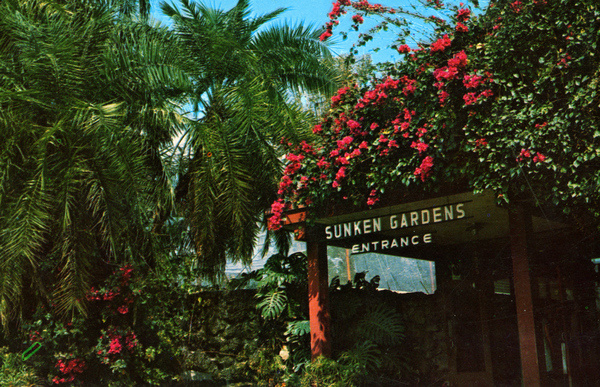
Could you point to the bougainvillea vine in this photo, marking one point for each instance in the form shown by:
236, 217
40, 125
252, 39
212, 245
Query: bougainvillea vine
487, 102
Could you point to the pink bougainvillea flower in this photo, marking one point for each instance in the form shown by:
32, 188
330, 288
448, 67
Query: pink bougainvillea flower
463, 14
358, 19
471, 81
442, 96
353, 124
470, 98
459, 60
347, 140
325, 35
115, 346
486, 93
424, 170
419, 145
445, 73
461, 27
525, 153
322, 163
441, 44
516, 6
341, 173
404, 49
539, 158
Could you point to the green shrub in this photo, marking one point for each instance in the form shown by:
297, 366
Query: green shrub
14, 371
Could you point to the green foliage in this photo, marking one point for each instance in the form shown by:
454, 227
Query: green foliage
272, 304
116, 343
87, 106
350, 369
364, 326
246, 73
281, 284
505, 101
379, 324
14, 372
363, 316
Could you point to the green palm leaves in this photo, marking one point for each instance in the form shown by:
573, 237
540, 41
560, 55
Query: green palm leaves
245, 76
91, 105
86, 108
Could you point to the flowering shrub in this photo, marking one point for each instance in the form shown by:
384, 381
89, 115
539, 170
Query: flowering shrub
105, 346
69, 369
495, 101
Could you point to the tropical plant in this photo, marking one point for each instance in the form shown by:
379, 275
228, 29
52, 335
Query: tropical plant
14, 372
87, 107
246, 73
350, 369
363, 324
506, 101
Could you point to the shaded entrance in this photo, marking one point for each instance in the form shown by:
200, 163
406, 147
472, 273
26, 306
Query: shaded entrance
518, 289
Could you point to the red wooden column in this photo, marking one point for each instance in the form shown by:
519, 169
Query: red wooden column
520, 224
318, 296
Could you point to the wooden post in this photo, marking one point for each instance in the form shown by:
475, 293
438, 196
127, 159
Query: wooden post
318, 296
520, 224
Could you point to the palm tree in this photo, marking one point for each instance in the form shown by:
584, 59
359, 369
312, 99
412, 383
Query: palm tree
246, 76
88, 105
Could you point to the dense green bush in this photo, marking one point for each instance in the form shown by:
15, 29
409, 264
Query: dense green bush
151, 330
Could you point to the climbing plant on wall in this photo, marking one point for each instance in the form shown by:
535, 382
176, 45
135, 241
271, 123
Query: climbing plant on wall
507, 100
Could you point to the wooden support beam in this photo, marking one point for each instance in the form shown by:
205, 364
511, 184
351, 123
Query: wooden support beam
318, 296
519, 221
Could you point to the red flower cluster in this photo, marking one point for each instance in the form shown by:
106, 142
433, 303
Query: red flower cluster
461, 27
410, 85
277, 209
97, 295
337, 98
131, 340
470, 98
471, 81
516, 6
126, 273
339, 9
463, 14
35, 336
372, 198
424, 170
404, 49
115, 345
564, 61
539, 158
441, 44
69, 369
378, 95
364, 5
420, 146
526, 153
480, 143
358, 19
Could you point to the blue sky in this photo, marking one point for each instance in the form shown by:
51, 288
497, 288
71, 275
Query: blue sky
314, 12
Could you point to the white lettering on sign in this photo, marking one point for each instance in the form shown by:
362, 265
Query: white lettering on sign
387, 244
426, 216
